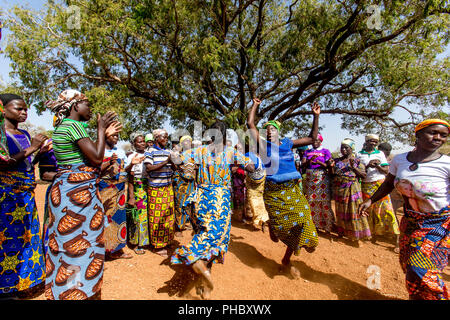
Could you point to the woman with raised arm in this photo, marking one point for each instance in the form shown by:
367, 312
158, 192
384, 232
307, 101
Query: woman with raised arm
289, 213
422, 176
76, 251
22, 266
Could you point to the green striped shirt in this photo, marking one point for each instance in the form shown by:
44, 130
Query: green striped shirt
65, 139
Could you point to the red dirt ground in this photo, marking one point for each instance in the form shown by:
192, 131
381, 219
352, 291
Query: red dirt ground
335, 271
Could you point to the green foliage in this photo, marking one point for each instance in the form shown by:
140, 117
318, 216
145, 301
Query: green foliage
190, 60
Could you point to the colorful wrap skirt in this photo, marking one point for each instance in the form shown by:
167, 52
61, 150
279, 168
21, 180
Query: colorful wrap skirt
182, 189
317, 187
138, 233
211, 222
113, 193
424, 249
347, 196
21, 255
161, 215
289, 215
254, 200
382, 219
76, 250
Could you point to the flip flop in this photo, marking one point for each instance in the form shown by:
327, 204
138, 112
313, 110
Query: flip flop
163, 253
139, 251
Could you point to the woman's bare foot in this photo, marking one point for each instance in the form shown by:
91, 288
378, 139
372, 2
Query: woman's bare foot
200, 268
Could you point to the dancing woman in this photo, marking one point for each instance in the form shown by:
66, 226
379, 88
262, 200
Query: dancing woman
316, 161
422, 176
289, 213
21, 254
211, 218
75, 259
347, 172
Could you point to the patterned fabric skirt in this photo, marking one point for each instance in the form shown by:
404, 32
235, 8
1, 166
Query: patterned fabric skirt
382, 219
348, 197
21, 255
182, 189
254, 200
76, 251
424, 249
114, 198
317, 186
161, 215
238, 192
138, 217
289, 215
212, 224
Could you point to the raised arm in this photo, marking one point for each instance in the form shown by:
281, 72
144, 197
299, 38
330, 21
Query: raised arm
251, 122
314, 130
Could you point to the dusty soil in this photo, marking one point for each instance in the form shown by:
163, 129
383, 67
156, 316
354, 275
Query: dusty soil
335, 271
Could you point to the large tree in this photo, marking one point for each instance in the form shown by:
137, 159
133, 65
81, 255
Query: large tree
201, 60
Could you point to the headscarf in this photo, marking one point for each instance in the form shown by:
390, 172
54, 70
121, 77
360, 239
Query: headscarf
185, 138
8, 97
275, 123
148, 137
431, 122
372, 136
63, 104
320, 137
349, 142
134, 135
158, 132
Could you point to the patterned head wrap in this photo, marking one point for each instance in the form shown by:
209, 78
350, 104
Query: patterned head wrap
431, 122
185, 138
158, 132
275, 123
372, 136
148, 137
134, 135
349, 142
61, 107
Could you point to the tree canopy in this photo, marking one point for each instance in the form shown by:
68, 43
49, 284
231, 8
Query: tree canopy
187, 60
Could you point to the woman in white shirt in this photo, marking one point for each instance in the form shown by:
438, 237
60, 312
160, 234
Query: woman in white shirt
382, 219
422, 176
138, 229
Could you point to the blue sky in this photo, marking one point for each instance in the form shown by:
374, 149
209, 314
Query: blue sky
332, 132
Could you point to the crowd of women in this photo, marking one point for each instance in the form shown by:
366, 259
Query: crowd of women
101, 199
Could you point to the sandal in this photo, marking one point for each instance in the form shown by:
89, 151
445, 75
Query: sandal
139, 251
162, 253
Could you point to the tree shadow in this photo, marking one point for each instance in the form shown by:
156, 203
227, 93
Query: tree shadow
344, 288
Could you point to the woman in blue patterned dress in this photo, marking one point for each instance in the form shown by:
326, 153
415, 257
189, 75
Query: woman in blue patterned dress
211, 218
21, 255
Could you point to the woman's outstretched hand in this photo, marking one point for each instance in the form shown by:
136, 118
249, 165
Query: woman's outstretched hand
315, 108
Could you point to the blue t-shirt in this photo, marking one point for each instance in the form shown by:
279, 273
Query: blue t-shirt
279, 162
